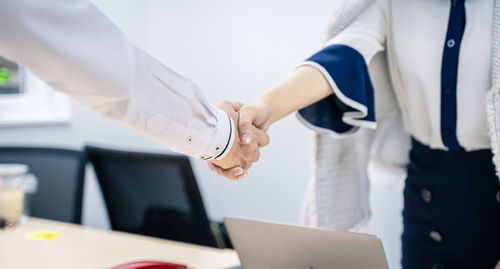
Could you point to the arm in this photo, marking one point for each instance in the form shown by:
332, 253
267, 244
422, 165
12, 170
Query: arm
304, 87
72, 46
332, 89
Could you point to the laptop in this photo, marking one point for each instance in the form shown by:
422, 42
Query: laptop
264, 245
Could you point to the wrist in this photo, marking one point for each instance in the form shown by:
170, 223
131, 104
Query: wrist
272, 105
265, 112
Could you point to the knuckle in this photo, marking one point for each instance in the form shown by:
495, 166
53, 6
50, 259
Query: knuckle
247, 166
266, 142
247, 111
256, 156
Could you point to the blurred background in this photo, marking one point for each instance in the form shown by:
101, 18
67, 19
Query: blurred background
233, 50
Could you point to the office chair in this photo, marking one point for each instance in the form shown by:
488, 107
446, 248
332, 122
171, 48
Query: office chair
155, 195
60, 174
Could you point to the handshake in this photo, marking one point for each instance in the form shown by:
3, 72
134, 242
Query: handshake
251, 123
304, 87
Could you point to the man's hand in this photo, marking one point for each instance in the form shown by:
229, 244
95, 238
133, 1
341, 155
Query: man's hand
243, 152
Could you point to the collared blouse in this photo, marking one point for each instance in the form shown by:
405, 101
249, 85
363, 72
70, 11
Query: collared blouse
442, 51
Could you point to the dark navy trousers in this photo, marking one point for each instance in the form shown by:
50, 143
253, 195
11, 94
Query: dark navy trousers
451, 214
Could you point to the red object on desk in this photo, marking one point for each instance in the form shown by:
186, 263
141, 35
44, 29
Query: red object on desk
150, 265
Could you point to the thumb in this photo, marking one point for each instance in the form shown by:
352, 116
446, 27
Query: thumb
237, 106
246, 118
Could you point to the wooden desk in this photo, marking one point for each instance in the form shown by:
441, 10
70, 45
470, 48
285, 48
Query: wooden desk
88, 248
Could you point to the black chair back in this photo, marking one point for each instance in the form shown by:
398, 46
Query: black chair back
152, 194
60, 174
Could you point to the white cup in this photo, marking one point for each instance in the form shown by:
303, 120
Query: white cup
15, 182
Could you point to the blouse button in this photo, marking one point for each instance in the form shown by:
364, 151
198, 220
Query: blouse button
498, 196
447, 132
450, 43
447, 91
426, 195
437, 237
438, 266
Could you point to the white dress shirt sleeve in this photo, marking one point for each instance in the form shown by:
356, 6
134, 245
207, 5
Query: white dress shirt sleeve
72, 46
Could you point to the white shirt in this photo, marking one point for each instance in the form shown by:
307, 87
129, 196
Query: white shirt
417, 31
72, 46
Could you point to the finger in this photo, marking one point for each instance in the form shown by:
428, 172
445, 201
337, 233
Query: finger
237, 105
247, 115
214, 168
224, 104
248, 155
247, 165
244, 162
261, 137
234, 173
242, 176
253, 157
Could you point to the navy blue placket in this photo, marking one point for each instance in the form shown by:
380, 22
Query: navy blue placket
449, 70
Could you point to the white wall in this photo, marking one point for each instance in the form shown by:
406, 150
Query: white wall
234, 50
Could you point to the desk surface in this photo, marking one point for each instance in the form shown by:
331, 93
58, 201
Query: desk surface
81, 247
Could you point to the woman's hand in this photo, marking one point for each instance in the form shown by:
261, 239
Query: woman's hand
252, 117
498, 265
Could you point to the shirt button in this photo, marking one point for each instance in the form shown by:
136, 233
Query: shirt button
447, 132
426, 195
498, 196
438, 266
436, 236
450, 43
447, 91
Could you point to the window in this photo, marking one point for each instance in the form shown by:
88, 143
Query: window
11, 77
26, 100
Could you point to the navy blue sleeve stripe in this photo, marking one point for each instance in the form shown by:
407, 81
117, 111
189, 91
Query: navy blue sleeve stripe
352, 105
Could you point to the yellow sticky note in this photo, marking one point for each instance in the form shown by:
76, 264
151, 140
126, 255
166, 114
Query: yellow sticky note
43, 235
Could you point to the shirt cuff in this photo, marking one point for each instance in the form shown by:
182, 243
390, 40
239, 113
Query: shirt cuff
224, 137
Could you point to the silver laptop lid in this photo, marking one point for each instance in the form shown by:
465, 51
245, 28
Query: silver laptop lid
264, 245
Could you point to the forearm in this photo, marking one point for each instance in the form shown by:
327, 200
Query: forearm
304, 87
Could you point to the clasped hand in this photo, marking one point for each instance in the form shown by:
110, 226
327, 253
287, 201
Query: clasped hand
250, 126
